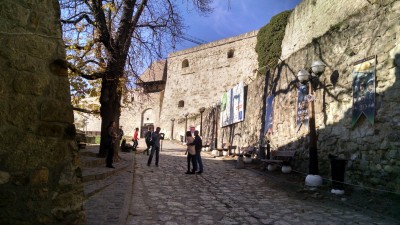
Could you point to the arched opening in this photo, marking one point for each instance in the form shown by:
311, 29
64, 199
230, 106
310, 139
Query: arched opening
185, 63
148, 120
230, 53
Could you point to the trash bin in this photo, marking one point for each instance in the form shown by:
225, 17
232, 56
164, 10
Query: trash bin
338, 166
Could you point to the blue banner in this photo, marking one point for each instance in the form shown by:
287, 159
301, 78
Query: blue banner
269, 113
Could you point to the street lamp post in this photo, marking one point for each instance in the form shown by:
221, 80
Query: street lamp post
202, 109
317, 68
172, 128
185, 115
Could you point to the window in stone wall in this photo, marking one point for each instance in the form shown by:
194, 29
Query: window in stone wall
230, 53
185, 63
181, 103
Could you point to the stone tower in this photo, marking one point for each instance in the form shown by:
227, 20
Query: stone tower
39, 173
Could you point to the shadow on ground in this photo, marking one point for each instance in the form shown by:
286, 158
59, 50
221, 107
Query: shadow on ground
385, 204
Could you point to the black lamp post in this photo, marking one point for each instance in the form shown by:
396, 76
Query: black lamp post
317, 68
172, 128
202, 109
185, 115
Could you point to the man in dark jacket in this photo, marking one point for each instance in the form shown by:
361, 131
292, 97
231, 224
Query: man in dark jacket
198, 145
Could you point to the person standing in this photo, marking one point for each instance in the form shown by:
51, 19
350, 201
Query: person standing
147, 138
120, 133
198, 145
135, 139
191, 154
112, 137
155, 148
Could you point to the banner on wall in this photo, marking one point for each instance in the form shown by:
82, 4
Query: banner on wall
269, 113
232, 106
364, 89
302, 116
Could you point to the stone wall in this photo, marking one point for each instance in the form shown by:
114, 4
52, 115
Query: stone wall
372, 150
312, 18
209, 73
40, 178
145, 109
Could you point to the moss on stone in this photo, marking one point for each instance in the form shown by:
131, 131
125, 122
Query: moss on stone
269, 41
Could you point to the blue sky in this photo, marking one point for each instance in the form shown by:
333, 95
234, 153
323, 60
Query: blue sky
231, 18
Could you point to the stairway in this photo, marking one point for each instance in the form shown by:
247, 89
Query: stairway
107, 190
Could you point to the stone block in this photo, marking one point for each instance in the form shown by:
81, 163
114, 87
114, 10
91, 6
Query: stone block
55, 111
30, 85
40, 176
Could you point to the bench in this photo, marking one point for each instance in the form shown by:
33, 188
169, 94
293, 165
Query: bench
281, 158
81, 145
248, 153
206, 146
225, 150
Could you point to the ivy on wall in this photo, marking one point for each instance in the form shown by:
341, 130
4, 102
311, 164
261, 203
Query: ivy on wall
269, 41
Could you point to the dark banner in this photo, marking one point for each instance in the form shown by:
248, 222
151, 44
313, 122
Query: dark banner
302, 107
364, 90
269, 113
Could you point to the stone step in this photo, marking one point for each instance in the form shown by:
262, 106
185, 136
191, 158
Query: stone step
90, 161
88, 153
100, 171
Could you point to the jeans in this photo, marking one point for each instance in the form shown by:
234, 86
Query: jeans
191, 158
148, 147
199, 161
135, 144
155, 149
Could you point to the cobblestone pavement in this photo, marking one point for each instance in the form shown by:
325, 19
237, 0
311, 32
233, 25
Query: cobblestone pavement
225, 195
108, 191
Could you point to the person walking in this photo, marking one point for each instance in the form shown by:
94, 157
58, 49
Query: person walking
191, 154
198, 145
155, 148
135, 139
147, 138
112, 137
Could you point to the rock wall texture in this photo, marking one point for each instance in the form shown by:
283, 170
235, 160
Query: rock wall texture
372, 151
39, 165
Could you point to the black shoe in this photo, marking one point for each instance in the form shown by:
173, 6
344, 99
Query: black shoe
156, 165
110, 166
199, 172
148, 164
188, 172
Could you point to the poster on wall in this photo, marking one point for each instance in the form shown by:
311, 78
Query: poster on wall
232, 106
364, 89
302, 116
269, 113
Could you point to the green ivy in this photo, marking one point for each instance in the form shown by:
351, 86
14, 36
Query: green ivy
269, 41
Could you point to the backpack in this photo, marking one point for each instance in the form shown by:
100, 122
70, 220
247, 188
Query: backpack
148, 136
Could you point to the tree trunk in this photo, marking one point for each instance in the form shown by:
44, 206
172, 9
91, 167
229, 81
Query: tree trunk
110, 110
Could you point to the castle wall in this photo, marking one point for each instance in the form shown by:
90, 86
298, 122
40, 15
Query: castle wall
312, 18
40, 178
209, 74
144, 110
372, 150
